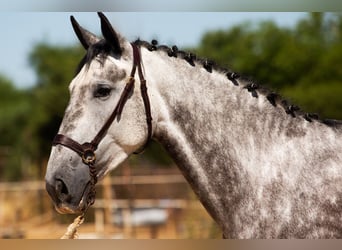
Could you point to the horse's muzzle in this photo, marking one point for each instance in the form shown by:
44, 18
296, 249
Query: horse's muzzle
64, 202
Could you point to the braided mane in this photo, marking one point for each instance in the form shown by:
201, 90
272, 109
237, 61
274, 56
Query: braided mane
246, 82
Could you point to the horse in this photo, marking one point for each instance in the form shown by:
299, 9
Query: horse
260, 166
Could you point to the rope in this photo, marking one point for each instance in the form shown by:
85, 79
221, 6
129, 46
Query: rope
71, 232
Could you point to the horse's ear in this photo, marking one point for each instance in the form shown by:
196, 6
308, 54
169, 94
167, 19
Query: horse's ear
86, 38
109, 34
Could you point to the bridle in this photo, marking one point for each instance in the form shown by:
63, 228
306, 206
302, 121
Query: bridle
87, 150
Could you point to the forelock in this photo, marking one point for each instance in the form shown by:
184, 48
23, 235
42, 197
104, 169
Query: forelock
100, 49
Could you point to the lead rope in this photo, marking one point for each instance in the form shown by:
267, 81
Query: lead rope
71, 232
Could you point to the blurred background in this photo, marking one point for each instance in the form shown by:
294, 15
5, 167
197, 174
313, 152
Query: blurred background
297, 54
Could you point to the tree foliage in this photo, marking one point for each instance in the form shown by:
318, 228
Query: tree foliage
15, 110
303, 63
55, 67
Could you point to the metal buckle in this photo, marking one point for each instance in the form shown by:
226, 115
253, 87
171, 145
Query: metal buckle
88, 157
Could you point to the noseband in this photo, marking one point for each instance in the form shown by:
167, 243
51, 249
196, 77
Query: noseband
87, 150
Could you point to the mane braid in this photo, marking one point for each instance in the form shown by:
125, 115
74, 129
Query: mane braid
247, 83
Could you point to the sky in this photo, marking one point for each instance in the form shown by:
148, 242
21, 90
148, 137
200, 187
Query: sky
25, 29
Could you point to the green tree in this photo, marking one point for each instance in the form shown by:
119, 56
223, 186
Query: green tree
55, 67
295, 61
14, 113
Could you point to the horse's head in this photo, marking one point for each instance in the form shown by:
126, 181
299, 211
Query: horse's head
101, 117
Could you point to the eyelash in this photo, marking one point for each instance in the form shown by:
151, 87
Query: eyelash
102, 91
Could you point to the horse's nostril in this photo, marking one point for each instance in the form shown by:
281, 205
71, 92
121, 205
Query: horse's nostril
61, 187
62, 191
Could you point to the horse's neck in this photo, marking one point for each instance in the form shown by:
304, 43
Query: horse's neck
209, 118
219, 135
204, 118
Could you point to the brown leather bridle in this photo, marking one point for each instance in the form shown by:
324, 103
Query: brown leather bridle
87, 150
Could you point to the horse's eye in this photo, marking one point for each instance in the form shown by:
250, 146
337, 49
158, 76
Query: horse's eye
102, 91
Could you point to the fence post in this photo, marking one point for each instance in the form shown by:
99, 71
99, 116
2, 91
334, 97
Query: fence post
107, 199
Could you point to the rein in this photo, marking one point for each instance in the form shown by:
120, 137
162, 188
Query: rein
87, 150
